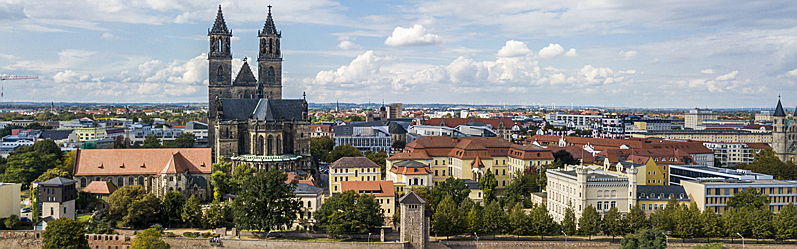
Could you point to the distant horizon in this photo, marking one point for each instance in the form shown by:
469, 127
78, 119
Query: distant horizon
378, 104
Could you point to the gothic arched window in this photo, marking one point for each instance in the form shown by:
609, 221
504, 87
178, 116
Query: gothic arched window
271, 77
270, 147
220, 73
279, 145
259, 146
270, 46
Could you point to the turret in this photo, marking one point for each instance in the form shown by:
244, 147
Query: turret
779, 131
269, 60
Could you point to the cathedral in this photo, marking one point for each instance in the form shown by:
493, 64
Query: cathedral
784, 134
248, 120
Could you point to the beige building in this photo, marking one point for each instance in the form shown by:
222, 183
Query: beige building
408, 174
310, 198
9, 193
85, 134
715, 136
714, 194
352, 169
580, 187
472, 157
695, 117
158, 170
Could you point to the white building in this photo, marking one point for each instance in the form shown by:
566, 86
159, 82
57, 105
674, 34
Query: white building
695, 117
580, 187
575, 121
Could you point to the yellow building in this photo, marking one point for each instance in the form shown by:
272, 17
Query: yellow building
383, 191
649, 173
408, 174
714, 194
9, 194
472, 157
352, 169
654, 197
84, 134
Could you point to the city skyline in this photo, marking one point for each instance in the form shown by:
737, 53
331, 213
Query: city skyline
651, 55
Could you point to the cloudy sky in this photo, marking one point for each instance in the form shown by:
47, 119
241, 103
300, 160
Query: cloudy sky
680, 53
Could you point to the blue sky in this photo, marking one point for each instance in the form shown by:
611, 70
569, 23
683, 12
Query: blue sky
681, 53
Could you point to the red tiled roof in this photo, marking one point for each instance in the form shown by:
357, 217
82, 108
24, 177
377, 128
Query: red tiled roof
99, 187
375, 188
142, 161
354, 162
759, 145
322, 127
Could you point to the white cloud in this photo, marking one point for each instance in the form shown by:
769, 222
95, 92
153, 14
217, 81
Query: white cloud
191, 71
415, 35
364, 68
727, 76
552, 50
628, 54
70, 76
792, 72
514, 48
571, 53
707, 71
108, 36
348, 45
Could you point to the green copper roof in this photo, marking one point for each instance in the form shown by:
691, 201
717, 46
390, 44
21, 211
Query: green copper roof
256, 158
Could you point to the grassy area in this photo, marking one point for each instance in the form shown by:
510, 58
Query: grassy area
84, 218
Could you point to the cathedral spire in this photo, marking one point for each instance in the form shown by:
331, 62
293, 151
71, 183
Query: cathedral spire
219, 27
779, 110
269, 28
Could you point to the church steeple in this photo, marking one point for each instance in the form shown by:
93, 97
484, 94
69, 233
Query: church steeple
269, 61
779, 112
219, 27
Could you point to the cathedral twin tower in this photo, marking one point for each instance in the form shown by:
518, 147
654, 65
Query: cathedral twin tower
269, 76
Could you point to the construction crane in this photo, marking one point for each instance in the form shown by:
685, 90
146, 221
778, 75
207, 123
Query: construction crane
14, 77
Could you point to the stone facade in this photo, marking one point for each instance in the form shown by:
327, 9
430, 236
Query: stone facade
249, 122
784, 134
414, 222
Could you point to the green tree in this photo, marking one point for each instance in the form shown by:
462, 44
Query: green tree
11, 222
636, 219
494, 218
341, 151
685, 225
474, 221
590, 222
151, 142
767, 162
445, 220
24, 165
119, 202
266, 202
736, 222
711, 224
612, 223
569, 222
785, 223
521, 187
239, 176
453, 187
519, 222
64, 233
320, 147
349, 213
663, 219
488, 184
53, 173
149, 239
184, 140
68, 162
218, 215
748, 198
563, 157
644, 238
399, 144
760, 222
172, 207
541, 221
142, 212
220, 179
192, 213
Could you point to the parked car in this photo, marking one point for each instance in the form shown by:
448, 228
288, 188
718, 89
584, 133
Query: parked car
25, 209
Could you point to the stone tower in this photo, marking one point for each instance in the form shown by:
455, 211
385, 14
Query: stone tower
219, 68
779, 131
57, 198
632, 186
414, 223
269, 61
